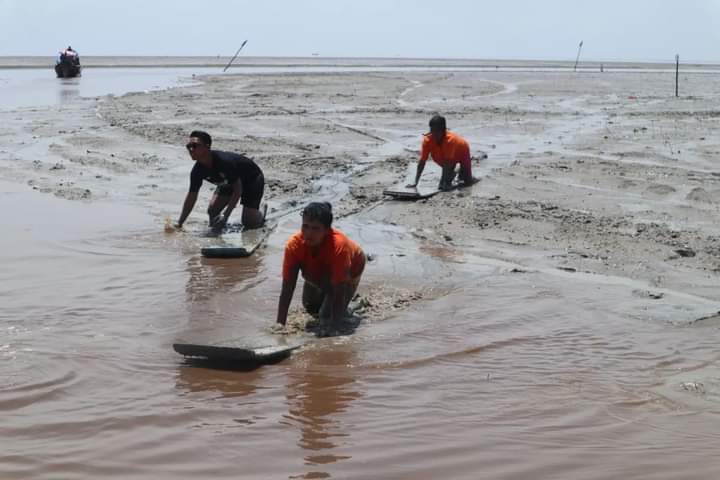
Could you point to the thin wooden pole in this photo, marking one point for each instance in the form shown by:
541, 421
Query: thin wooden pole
577, 59
234, 57
677, 73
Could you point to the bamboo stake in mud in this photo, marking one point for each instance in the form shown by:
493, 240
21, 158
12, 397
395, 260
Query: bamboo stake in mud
677, 73
235, 56
577, 59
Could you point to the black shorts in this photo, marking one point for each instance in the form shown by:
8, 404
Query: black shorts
251, 195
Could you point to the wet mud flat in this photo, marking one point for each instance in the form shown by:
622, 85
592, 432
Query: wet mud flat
565, 306
605, 167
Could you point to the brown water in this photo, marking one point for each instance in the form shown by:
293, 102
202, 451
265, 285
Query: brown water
509, 375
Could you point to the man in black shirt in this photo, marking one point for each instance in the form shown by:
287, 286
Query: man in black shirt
237, 178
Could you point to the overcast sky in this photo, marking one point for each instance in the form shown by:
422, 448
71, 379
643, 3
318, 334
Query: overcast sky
514, 29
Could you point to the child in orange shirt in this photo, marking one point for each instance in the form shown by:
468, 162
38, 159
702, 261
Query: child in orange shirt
331, 265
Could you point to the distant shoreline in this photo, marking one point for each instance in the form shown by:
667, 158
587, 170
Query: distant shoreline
29, 62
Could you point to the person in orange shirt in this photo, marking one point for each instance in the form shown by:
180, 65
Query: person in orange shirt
331, 265
447, 150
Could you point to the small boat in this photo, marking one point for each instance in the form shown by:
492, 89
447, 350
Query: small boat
68, 64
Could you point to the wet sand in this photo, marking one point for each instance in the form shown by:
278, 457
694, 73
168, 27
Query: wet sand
555, 320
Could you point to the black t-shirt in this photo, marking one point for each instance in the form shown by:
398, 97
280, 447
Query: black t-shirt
226, 169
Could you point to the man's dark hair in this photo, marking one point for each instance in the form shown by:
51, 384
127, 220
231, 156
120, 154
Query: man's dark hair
437, 122
320, 212
203, 136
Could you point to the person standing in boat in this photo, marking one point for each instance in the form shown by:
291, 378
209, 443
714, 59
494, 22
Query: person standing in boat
71, 55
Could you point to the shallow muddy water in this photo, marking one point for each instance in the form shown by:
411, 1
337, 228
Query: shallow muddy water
39, 87
505, 375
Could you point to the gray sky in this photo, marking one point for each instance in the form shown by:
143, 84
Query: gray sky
514, 29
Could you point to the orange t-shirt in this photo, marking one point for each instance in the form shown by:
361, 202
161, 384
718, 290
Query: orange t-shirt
339, 258
454, 149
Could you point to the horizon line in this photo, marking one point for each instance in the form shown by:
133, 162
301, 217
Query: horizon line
397, 57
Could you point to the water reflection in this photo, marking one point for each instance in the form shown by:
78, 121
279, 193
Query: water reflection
322, 387
33, 87
225, 302
227, 383
68, 90
208, 277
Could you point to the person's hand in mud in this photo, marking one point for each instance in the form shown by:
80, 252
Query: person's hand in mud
171, 226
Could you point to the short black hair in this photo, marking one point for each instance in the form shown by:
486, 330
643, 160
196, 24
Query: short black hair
319, 211
438, 122
204, 136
